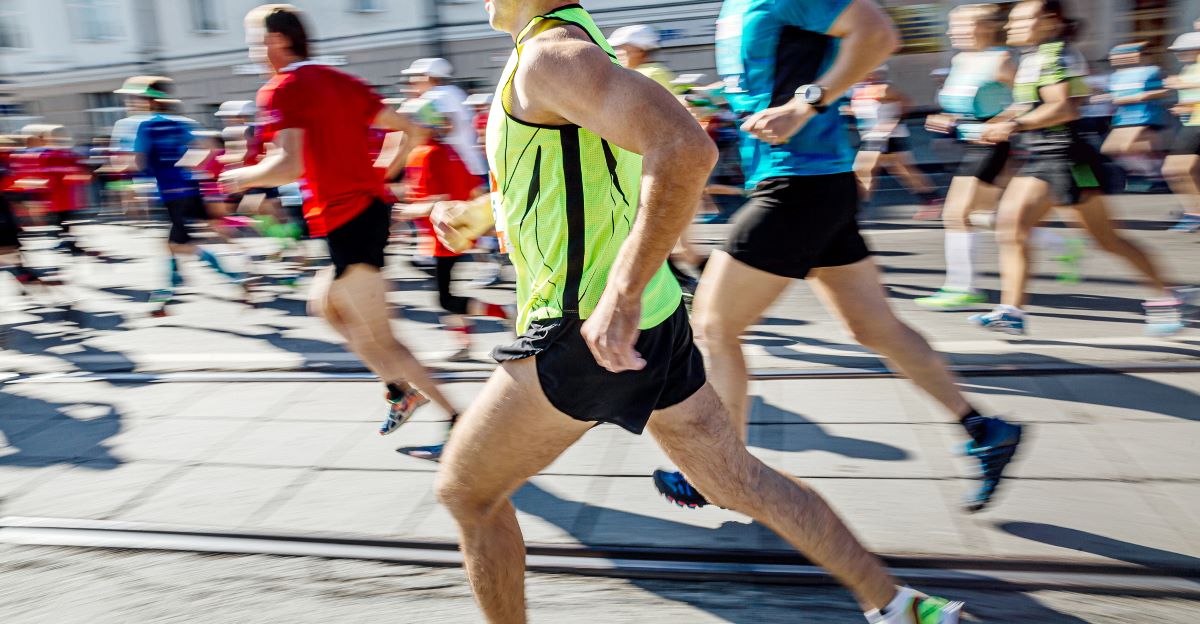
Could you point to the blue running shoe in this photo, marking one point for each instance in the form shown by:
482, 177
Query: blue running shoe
431, 453
1001, 320
676, 488
1164, 317
994, 454
1187, 223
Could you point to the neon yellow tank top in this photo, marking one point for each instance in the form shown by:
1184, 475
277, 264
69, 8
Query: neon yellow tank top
564, 200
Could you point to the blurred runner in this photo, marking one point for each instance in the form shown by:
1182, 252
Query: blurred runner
429, 78
53, 179
436, 174
1138, 92
1182, 166
635, 47
978, 87
1064, 171
878, 106
318, 118
604, 336
801, 221
161, 142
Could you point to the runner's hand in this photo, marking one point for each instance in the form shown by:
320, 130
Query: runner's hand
779, 124
231, 182
612, 331
458, 223
940, 123
998, 132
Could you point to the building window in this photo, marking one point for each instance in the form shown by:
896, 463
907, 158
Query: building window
366, 6
96, 20
11, 34
206, 16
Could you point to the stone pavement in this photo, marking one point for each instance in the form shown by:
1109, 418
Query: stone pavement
1108, 476
1097, 322
1110, 473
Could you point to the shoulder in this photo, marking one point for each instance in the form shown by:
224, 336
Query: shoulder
561, 56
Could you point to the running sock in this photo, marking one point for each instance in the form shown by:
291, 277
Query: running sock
173, 276
904, 596
975, 424
395, 392
211, 260
960, 261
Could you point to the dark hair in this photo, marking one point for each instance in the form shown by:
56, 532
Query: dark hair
1070, 27
287, 22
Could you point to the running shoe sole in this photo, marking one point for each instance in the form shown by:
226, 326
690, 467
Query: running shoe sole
431, 453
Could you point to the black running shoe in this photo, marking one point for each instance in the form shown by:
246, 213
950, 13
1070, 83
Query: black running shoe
675, 487
994, 454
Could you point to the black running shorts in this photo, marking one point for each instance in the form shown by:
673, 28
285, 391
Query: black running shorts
580, 388
983, 161
183, 211
890, 145
362, 240
1070, 170
8, 224
793, 225
1187, 142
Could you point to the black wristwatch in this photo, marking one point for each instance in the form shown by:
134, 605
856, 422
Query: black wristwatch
813, 94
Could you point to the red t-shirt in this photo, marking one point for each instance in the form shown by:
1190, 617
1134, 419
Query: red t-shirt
435, 169
335, 110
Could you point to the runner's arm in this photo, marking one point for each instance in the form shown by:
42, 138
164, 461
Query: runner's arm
868, 38
284, 165
637, 114
391, 119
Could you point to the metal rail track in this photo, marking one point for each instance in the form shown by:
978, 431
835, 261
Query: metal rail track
622, 562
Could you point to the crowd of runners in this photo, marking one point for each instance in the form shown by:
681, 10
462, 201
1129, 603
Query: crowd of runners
588, 200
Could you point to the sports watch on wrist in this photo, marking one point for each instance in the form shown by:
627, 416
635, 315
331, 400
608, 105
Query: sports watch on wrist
813, 94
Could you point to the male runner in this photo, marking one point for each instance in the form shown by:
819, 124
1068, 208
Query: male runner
160, 142
319, 118
800, 222
604, 337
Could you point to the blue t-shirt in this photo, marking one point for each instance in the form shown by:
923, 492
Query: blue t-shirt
1129, 81
766, 49
163, 140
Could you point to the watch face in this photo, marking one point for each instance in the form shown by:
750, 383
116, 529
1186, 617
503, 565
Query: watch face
812, 94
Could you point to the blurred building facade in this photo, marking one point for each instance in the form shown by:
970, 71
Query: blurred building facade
61, 59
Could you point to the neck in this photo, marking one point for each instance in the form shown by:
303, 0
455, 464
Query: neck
530, 10
287, 61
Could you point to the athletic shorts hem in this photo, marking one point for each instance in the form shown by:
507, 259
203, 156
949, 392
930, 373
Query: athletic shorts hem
577, 386
362, 240
792, 225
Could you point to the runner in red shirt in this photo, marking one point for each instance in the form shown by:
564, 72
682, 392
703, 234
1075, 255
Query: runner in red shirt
319, 118
436, 173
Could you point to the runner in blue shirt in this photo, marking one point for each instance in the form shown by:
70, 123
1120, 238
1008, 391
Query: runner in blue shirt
1139, 94
160, 142
800, 221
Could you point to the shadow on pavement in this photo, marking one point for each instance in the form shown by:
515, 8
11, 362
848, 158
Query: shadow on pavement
1084, 541
41, 433
580, 520
1167, 400
813, 438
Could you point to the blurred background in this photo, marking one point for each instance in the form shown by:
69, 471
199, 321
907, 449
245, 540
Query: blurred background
220, 462
61, 60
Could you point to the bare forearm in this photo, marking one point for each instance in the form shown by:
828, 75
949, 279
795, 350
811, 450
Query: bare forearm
273, 171
672, 185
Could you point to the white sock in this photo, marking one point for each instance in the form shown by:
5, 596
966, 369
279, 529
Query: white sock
960, 261
1049, 240
895, 610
